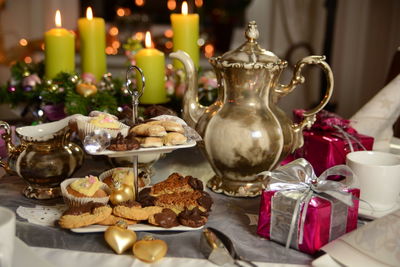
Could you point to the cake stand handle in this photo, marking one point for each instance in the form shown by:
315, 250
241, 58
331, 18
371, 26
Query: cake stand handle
136, 94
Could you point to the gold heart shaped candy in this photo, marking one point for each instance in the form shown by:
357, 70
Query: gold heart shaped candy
149, 249
119, 238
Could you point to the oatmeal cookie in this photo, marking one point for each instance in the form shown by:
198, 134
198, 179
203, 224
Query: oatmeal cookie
88, 214
136, 213
112, 220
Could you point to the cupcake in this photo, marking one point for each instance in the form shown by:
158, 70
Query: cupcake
104, 120
99, 121
122, 175
79, 191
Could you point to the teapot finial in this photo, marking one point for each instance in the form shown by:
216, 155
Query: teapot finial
252, 31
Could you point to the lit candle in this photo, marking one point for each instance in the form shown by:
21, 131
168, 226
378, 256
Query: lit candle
152, 63
92, 44
59, 50
186, 34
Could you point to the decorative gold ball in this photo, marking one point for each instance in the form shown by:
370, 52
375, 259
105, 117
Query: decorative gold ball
86, 89
121, 193
74, 78
149, 249
53, 87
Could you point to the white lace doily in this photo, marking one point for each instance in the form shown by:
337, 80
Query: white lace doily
42, 215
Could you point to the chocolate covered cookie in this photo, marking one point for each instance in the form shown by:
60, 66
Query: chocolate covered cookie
121, 143
84, 215
193, 218
166, 219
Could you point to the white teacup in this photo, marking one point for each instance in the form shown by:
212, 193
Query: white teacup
7, 236
378, 177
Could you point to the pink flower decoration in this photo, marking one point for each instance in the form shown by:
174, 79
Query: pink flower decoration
88, 77
31, 80
92, 179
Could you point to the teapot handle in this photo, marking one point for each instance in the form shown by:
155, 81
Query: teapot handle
309, 117
7, 140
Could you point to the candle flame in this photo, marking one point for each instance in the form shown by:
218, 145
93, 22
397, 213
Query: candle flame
147, 40
184, 8
89, 13
58, 18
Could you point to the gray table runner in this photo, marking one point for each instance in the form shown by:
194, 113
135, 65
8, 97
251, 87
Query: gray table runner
228, 214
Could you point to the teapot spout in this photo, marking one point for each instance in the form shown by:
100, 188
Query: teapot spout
192, 109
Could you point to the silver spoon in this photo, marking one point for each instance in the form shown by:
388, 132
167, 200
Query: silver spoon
219, 248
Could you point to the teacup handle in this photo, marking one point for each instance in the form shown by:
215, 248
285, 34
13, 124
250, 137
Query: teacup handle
299, 79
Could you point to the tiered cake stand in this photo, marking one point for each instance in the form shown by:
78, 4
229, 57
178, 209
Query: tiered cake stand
136, 94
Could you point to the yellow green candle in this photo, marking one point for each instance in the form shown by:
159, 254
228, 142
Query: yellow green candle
186, 34
59, 50
92, 44
152, 63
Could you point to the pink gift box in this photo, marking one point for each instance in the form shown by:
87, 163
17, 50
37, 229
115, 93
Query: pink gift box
325, 146
320, 226
324, 150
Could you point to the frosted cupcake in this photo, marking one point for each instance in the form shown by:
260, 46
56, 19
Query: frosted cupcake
105, 121
100, 121
78, 191
123, 176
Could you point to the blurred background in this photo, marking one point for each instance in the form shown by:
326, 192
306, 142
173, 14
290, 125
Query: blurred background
359, 37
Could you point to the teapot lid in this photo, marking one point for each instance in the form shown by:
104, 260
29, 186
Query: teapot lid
249, 55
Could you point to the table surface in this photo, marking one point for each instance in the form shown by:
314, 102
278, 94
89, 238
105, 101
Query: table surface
233, 216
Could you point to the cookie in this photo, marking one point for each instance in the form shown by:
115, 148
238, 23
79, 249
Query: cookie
178, 202
121, 143
136, 213
88, 214
176, 183
193, 218
112, 220
148, 130
166, 219
144, 197
173, 139
150, 141
170, 126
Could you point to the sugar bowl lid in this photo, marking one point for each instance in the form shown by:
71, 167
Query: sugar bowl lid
249, 55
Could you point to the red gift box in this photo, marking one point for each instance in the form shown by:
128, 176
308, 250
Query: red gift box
307, 211
329, 140
318, 223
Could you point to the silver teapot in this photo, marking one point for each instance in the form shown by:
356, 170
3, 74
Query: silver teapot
244, 131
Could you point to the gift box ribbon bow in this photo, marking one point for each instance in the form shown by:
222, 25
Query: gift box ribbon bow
330, 122
299, 175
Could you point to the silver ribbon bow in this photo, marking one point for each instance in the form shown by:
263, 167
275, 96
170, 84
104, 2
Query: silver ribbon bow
348, 136
299, 175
